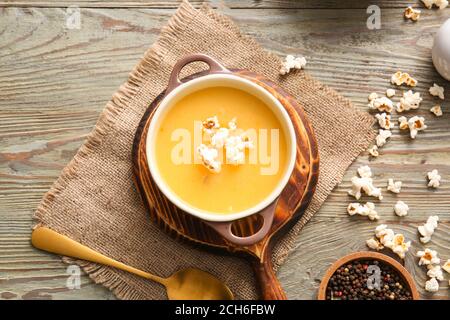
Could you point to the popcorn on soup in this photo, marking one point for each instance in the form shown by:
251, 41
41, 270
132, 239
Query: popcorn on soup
226, 145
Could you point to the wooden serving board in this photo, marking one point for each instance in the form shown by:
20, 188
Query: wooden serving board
292, 203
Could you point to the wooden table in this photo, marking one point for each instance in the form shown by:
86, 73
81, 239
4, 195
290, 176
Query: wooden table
55, 81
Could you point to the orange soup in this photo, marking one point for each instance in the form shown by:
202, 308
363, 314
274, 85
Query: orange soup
236, 187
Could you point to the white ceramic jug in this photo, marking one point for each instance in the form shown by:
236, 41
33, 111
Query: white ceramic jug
441, 50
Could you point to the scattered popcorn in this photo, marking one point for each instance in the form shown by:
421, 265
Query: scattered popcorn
292, 62
382, 136
432, 285
401, 209
434, 179
365, 172
373, 96
409, 101
400, 78
403, 123
437, 91
427, 229
435, 272
446, 266
411, 13
384, 120
219, 137
415, 124
436, 110
374, 244
441, 4
382, 104
384, 235
209, 158
390, 93
387, 238
374, 151
428, 257
394, 186
364, 210
364, 183
400, 247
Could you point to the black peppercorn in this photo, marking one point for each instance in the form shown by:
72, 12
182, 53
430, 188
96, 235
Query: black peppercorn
350, 282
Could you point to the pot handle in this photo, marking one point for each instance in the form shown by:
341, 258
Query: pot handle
214, 67
224, 228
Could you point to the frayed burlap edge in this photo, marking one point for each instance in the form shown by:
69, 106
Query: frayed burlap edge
127, 91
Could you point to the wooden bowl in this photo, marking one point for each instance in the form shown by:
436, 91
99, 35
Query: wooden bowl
368, 255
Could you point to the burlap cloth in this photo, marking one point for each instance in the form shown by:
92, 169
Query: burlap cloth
95, 202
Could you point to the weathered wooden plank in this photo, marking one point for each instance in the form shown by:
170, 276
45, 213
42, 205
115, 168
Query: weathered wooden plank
234, 4
48, 106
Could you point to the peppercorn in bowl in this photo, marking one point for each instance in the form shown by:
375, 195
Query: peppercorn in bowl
367, 276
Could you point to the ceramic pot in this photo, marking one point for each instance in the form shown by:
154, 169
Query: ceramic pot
218, 75
441, 50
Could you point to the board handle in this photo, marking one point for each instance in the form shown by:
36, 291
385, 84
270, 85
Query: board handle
225, 230
214, 67
270, 287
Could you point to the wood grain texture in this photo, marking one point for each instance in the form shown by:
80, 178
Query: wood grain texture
54, 82
233, 4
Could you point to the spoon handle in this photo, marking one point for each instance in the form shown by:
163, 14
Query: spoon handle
51, 241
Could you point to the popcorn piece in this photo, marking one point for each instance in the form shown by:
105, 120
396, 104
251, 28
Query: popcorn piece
382, 136
427, 229
400, 247
210, 125
364, 210
437, 91
411, 13
409, 101
394, 187
388, 239
382, 104
234, 150
415, 124
401, 209
384, 120
219, 137
365, 172
441, 4
400, 78
446, 266
374, 151
428, 257
385, 235
373, 96
434, 178
435, 272
436, 110
390, 93
364, 183
432, 285
209, 158
428, 3
403, 123
292, 62
374, 244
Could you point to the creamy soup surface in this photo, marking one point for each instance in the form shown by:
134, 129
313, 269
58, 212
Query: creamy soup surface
236, 187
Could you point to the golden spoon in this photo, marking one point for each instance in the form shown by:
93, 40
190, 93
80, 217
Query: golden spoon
186, 284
